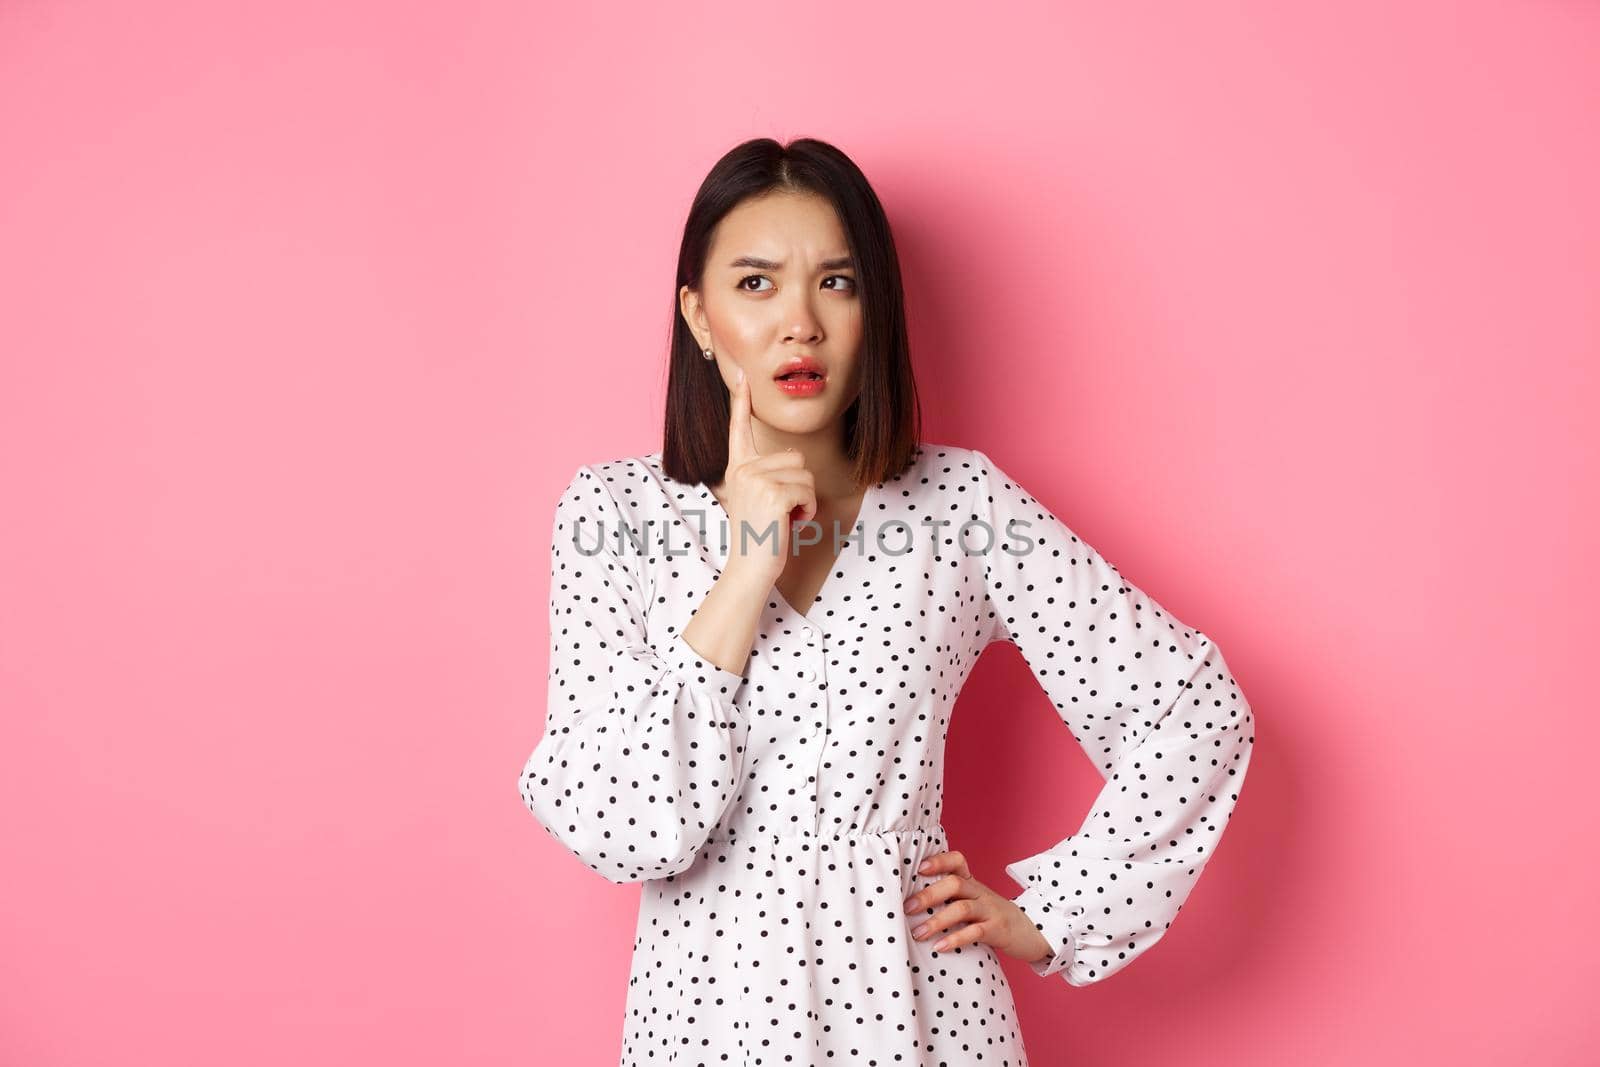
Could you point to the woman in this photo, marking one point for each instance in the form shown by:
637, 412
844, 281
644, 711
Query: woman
757, 637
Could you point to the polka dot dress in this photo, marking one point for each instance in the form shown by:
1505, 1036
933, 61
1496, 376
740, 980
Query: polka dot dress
776, 818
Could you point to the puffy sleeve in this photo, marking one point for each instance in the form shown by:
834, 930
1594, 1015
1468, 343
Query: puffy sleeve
1151, 703
643, 746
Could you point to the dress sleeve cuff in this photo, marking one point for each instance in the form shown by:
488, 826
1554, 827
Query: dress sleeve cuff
683, 659
1056, 926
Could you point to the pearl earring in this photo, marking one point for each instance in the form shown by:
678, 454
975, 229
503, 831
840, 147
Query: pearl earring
708, 354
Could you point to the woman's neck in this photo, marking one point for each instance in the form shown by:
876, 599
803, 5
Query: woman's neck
824, 456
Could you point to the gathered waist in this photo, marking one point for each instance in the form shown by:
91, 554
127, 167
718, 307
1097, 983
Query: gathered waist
731, 833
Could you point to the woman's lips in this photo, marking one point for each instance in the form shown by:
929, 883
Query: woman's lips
802, 384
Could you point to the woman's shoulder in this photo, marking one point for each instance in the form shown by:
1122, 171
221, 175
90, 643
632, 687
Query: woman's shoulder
623, 468
635, 483
940, 467
932, 456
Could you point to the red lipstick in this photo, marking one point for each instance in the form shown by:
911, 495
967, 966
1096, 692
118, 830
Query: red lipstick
801, 376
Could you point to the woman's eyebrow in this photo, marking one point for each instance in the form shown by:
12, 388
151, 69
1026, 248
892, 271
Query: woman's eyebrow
838, 263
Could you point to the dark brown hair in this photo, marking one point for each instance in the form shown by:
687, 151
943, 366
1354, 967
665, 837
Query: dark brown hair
883, 425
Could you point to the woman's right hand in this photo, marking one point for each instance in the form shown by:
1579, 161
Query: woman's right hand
761, 493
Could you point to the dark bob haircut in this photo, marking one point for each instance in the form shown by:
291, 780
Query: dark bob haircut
883, 425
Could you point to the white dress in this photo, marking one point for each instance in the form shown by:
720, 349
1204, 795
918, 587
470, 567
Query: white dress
776, 818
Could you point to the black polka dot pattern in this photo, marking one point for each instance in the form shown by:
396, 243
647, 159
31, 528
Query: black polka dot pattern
1149, 700
776, 817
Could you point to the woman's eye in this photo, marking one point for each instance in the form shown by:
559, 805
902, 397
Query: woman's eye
849, 287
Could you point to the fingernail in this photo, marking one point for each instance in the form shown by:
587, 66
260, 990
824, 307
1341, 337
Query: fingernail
919, 930
941, 943
925, 865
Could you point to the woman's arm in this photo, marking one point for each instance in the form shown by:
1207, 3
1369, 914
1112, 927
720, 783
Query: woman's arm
1151, 702
643, 749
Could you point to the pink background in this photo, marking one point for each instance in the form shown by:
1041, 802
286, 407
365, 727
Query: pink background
307, 313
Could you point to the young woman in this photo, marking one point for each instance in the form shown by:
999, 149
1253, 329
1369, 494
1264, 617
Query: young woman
757, 635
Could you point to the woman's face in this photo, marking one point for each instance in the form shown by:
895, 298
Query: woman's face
779, 285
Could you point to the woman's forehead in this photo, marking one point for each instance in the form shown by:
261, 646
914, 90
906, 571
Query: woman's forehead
777, 226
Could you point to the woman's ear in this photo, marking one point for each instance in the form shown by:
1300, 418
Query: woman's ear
695, 315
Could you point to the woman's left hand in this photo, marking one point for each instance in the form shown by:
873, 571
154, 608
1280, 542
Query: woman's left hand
961, 898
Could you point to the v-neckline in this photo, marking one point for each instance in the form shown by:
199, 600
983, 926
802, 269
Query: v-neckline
724, 551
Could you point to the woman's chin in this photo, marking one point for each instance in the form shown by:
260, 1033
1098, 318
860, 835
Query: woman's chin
815, 420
